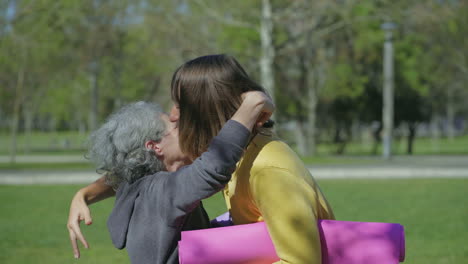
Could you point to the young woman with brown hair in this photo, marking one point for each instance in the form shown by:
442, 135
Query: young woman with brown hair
270, 183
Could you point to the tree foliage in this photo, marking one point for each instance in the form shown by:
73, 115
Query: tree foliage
66, 63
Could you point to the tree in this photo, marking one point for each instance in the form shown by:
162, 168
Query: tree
30, 42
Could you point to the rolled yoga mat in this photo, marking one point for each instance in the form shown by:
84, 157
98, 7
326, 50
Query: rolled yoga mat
343, 242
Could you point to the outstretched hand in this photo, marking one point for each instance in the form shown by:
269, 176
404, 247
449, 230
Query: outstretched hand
79, 211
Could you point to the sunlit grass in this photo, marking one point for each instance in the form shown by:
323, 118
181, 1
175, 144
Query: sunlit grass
46, 166
433, 211
422, 146
72, 142
43, 143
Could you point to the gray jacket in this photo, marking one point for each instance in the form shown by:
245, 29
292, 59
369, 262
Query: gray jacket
149, 214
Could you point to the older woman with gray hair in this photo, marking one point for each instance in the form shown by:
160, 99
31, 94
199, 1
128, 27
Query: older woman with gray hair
118, 147
153, 206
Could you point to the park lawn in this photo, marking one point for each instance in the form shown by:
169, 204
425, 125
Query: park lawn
43, 143
341, 160
433, 211
47, 166
422, 146
73, 142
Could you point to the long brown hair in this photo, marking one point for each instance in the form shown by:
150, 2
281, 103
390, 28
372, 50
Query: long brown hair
208, 91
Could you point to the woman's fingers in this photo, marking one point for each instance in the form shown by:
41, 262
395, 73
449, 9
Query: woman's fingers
76, 250
73, 239
75, 235
80, 236
87, 216
264, 117
269, 106
267, 110
264, 102
79, 211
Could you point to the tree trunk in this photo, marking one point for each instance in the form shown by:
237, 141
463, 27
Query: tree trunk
16, 115
356, 131
81, 127
310, 80
93, 114
28, 124
435, 133
307, 85
117, 70
315, 80
411, 136
376, 135
388, 97
341, 138
312, 120
450, 111
301, 138
118, 102
268, 50
14, 134
80, 121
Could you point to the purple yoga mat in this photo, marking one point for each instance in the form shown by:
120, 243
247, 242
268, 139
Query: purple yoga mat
343, 242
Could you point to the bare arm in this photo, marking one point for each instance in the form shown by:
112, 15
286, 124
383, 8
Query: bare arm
79, 210
96, 191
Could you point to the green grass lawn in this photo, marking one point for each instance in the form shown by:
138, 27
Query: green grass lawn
422, 146
433, 211
340, 160
43, 143
72, 142
47, 166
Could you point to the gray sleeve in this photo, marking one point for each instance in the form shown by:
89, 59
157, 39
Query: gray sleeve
207, 175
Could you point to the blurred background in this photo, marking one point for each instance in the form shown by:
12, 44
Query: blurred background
371, 94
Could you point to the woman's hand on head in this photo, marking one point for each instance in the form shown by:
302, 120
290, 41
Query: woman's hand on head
263, 102
79, 211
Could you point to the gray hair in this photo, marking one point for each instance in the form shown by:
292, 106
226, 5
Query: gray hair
118, 146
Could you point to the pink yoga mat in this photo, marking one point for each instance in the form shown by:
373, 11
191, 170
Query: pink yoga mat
343, 242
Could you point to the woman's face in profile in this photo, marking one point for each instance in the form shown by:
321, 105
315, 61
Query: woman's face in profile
169, 147
174, 114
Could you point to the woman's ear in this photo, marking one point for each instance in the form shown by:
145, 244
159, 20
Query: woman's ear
154, 145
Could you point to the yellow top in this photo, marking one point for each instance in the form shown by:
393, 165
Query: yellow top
272, 184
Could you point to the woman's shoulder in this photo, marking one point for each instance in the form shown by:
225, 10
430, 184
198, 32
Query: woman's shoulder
268, 143
271, 152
